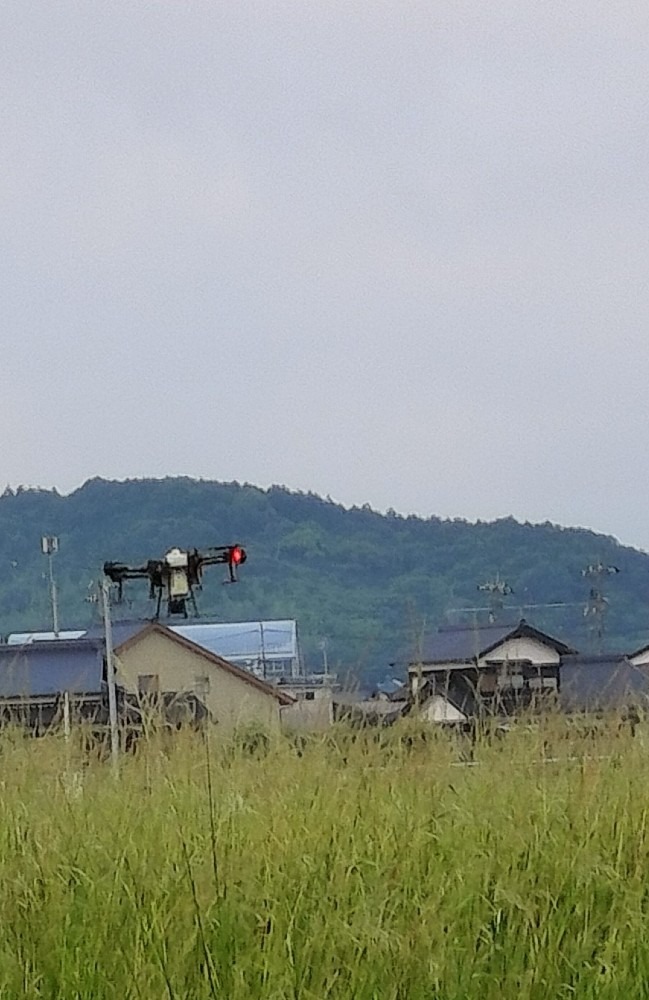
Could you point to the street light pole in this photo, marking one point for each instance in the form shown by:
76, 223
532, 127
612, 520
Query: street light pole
110, 673
50, 545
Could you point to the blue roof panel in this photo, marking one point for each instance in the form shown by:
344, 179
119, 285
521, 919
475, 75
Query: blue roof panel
49, 668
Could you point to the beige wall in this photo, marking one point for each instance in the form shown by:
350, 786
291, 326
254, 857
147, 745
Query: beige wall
231, 700
315, 715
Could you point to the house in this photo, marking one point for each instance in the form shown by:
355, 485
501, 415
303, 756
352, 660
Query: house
604, 683
313, 706
359, 710
494, 668
154, 660
152, 664
640, 657
36, 678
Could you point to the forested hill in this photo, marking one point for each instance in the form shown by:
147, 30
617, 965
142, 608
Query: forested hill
367, 583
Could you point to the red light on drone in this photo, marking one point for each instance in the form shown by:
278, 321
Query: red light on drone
237, 555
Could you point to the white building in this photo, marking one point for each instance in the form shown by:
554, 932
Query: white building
268, 649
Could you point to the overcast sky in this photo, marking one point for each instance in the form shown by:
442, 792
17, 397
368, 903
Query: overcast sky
395, 251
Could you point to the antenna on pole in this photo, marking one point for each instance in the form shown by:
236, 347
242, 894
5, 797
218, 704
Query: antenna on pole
497, 590
596, 606
49, 546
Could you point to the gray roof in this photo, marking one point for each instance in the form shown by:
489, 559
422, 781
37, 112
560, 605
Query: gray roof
599, 683
122, 631
49, 668
463, 644
236, 641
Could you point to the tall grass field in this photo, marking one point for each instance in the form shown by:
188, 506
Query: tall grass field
375, 867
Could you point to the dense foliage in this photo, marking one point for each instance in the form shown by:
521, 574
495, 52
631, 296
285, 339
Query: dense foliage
367, 583
378, 868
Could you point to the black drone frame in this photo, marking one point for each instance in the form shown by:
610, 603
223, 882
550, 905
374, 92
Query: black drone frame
159, 574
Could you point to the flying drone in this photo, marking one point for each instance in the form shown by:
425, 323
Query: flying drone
177, 575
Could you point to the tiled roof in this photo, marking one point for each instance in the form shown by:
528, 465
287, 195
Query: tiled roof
591, 683
464, 644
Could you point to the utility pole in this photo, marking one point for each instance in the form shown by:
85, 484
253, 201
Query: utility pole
263, 648
597, 605
50, 545
110, 673
325, 658
497, 590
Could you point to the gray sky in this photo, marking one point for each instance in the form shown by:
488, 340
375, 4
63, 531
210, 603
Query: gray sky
390, 251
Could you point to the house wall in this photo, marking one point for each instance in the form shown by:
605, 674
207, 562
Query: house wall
231, 700
522, 649
313, 715
532, 650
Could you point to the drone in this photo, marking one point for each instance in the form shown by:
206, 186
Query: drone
177, 575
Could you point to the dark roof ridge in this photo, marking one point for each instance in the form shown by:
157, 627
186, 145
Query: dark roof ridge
468, 644
482, 627
612, 657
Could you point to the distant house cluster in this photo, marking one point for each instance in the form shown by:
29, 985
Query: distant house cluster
250, 674
499, 669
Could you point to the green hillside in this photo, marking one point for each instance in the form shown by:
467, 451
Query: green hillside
368, 583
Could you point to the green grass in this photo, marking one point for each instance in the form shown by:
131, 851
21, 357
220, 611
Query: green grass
374, 868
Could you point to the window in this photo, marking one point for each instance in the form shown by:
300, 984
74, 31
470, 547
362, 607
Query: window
511, 675
309, 696
201, 685
543, 683
148, 684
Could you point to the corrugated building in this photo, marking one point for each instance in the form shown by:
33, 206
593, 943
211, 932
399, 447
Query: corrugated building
268, 649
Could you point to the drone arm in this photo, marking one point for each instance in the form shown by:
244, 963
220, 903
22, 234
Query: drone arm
231, 555
119, 571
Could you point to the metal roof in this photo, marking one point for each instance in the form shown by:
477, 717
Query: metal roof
240, 641
590, 683
122, 631
49, 668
